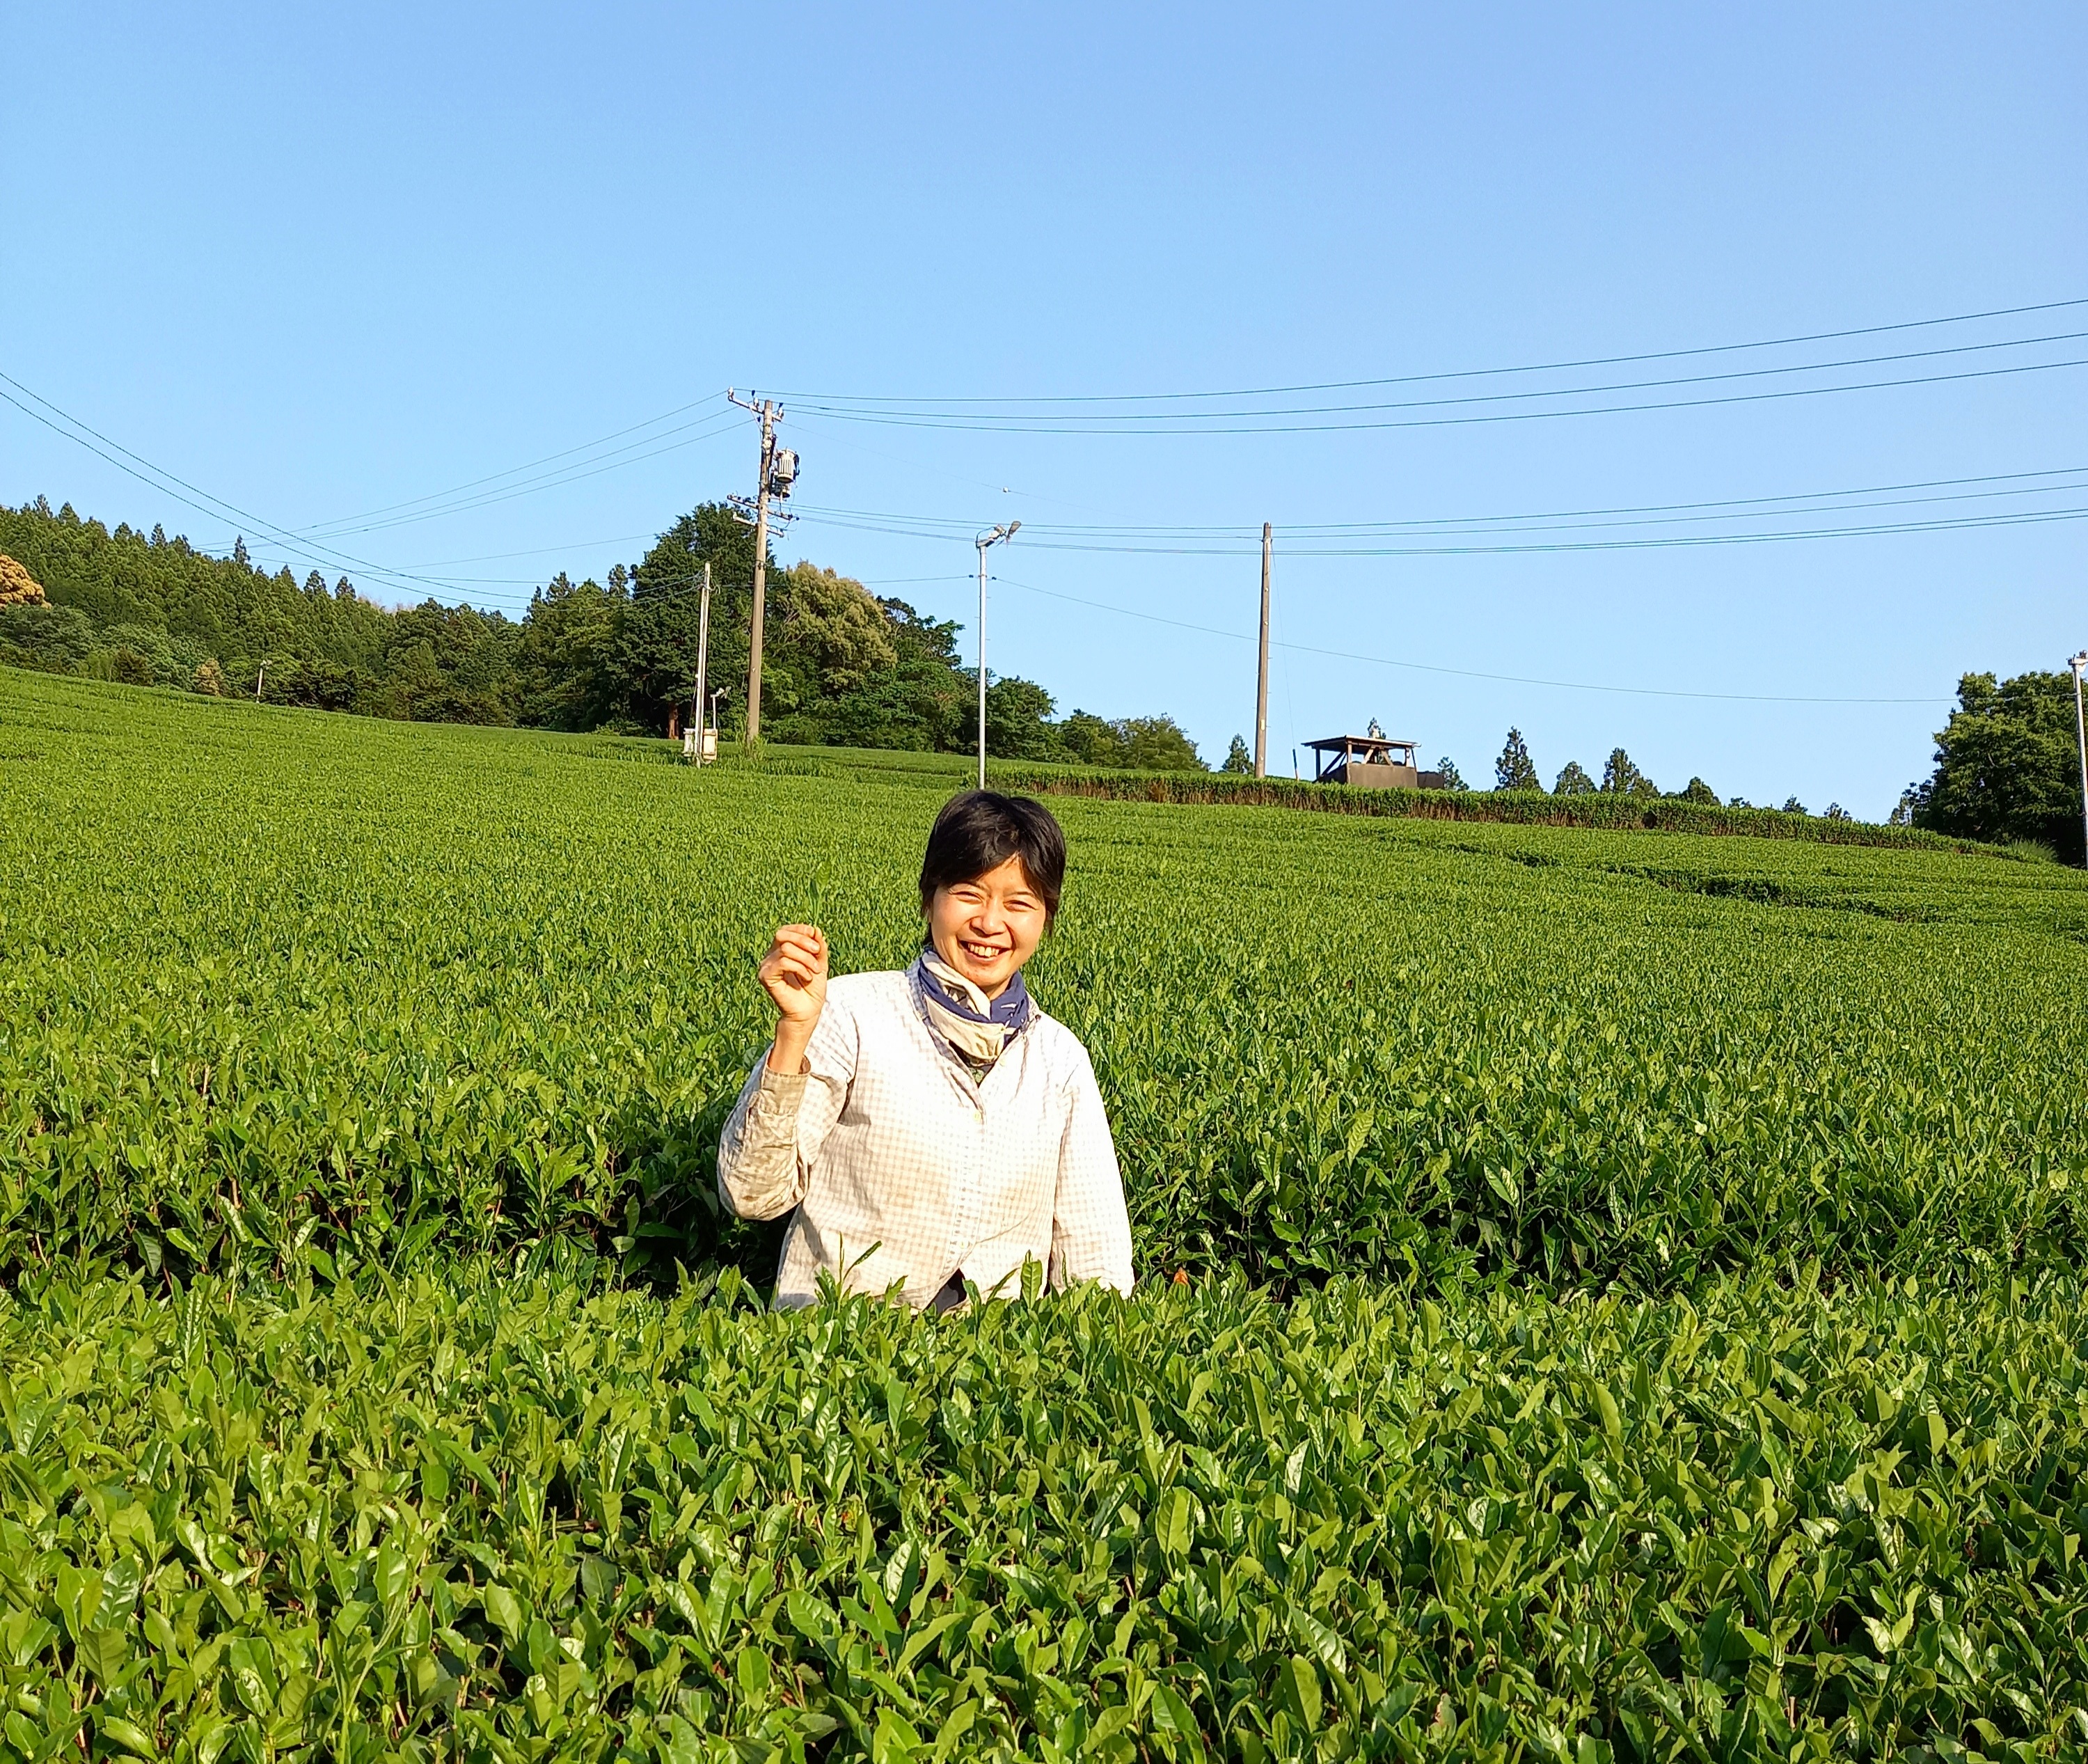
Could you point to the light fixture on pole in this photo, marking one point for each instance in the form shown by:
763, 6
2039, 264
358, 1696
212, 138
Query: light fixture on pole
2077, 662
998, 536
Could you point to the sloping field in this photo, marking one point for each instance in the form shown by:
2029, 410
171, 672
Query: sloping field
1632, 1309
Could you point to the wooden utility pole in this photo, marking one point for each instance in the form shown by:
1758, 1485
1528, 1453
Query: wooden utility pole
1261, 673
771, 413
2078, 663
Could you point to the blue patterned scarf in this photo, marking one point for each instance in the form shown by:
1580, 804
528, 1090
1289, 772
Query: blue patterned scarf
979, 1028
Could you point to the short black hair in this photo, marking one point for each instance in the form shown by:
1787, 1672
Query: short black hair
981, 831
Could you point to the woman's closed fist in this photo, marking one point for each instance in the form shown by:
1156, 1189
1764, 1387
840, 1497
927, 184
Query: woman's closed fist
793, 974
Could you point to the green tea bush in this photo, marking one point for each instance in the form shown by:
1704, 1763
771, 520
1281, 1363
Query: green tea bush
503, 1520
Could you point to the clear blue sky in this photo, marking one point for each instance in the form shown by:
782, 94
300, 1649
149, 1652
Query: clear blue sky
318, 261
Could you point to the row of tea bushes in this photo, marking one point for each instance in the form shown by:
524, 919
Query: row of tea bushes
458, 1517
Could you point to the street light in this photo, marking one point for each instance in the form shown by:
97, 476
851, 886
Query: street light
998, 536
2080, 735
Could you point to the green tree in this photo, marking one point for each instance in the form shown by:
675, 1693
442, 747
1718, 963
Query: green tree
565, 674
1158, 744
1092, 740
1453, 778
2007, 765
926, 703
1792, 806
1018, 725
653, 662
1514, 770
56, 639
1129, 743
1573, 781
1698, 791
1620, 777
1238, 760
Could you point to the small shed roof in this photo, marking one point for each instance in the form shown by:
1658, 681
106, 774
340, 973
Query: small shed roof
1359, 743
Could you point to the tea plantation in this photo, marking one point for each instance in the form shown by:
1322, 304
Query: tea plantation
1633, 1307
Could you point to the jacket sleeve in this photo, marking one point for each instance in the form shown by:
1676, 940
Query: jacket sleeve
1090, 1228
772, 1138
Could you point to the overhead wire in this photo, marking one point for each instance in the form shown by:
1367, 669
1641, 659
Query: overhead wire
215, 508
1487, 523
617, 434
984, 420
1667, 541
550, 481
1469, 674
1030, 426
1475, 373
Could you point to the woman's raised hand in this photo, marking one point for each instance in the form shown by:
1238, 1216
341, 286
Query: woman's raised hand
793, 974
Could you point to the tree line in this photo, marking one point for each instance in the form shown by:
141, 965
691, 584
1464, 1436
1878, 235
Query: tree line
841, 666
2007, 770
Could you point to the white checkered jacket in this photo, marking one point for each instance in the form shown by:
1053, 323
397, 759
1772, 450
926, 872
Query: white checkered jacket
904, 1167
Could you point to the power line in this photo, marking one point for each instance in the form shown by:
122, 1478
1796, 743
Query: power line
1475, 373
2025, 518
332, 559
415, 501
995, 425
549, 481
1467, 673
1486, 522
984, 420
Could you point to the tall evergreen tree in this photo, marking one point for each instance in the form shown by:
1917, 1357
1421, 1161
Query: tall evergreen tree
1573, 781
1514, 770
1620, 777
1238, 760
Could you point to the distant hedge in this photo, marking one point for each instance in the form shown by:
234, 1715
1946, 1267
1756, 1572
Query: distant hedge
1533, 808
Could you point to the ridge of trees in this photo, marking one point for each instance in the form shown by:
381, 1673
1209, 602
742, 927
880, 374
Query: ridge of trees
841, 666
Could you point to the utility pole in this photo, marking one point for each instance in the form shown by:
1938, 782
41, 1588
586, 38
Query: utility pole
703, 660
997, 536
258, 679
2080, 735
1261, 673
779, 472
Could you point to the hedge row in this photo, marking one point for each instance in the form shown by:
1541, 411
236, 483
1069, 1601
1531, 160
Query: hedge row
1530, 808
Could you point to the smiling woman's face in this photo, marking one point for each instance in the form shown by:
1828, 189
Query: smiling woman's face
987, 927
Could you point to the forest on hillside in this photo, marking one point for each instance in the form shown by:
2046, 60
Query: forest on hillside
841, 666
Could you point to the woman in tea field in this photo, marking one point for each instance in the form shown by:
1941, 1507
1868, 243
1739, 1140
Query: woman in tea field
932, 1127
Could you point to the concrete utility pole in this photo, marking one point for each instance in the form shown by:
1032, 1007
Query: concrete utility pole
997, 536
2080, 735
779, 472
1261, 673
703, 660
258, 679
